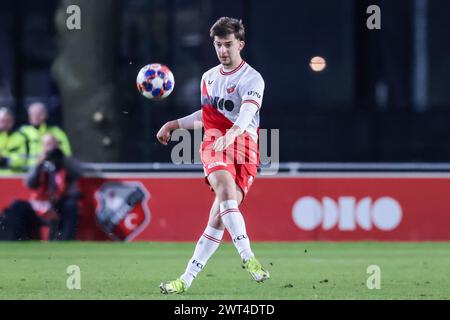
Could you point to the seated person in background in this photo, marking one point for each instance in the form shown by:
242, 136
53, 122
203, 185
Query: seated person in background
53, 201
13, 146
37, 117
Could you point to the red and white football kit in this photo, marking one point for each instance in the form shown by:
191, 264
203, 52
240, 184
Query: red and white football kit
227, 95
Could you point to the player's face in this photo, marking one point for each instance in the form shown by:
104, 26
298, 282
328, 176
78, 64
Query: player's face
228, 50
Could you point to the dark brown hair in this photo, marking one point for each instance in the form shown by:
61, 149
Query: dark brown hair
225, 26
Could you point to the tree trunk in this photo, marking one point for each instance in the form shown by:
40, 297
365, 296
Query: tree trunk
86, 72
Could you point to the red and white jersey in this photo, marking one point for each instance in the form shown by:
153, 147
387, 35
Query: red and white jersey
223, 94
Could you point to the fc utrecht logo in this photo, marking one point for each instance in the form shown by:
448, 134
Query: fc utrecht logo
122, 210
231, 89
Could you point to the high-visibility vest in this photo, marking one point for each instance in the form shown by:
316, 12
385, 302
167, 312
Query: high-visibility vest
13, 147
34, 140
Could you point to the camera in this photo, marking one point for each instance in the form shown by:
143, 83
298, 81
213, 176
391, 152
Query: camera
53, 160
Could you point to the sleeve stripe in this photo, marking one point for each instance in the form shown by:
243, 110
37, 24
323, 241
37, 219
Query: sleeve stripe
251, 101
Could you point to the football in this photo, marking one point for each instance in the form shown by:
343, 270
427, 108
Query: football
155, 81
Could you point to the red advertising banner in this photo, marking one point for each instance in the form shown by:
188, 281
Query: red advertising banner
329, 207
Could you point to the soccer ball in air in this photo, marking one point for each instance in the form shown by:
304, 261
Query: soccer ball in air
155, 81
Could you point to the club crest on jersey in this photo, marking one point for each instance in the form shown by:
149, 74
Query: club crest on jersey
231, 89
122, 210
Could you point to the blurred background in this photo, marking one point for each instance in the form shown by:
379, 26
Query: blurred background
384, 96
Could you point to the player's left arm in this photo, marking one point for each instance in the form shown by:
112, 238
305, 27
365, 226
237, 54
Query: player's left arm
252, 93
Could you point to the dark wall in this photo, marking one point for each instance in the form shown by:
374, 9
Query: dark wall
282, 42
439, 50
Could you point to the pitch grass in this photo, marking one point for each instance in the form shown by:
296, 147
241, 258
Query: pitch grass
37, 270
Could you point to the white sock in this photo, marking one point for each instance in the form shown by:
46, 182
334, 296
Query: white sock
235, 224
205, 248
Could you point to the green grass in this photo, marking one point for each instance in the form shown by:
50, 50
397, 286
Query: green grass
37, 270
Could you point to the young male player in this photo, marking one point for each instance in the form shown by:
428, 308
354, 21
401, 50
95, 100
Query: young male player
231, 100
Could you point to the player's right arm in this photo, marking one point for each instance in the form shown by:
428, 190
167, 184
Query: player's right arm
192, 121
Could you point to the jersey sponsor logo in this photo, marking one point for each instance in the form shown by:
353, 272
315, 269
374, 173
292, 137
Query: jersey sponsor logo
221, 104
231, 89
216, 164
122, 211
254, 94
210, 82
347, 214
218, 103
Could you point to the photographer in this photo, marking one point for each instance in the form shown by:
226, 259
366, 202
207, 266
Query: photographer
53, 200
55, 192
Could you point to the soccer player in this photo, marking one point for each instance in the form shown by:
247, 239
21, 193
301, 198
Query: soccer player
231, 95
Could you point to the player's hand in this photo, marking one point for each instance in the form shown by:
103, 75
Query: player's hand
164, 133
225, 141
